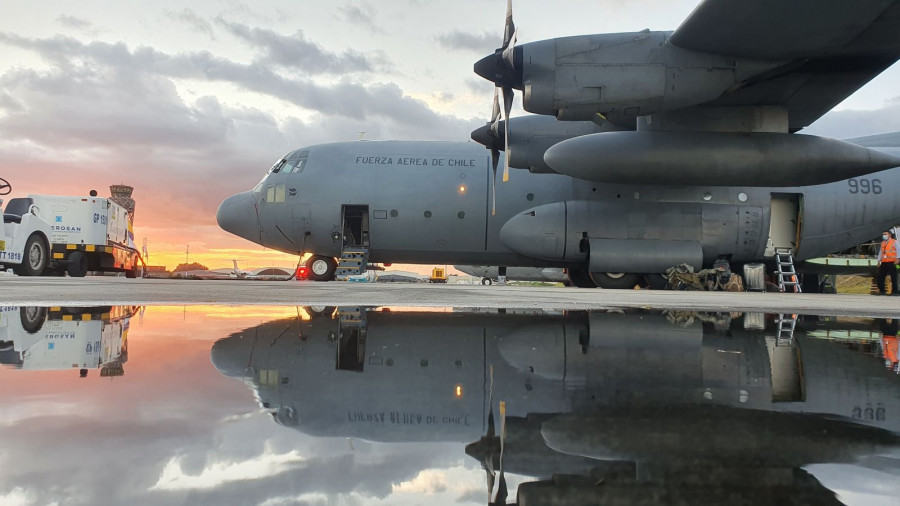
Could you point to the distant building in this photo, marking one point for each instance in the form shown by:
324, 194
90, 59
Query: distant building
121, 194
156, 271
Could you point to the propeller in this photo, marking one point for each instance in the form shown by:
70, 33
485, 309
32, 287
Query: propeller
508, 59
500, 68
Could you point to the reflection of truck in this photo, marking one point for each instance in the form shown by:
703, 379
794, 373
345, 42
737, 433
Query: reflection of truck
40, 338
78, 234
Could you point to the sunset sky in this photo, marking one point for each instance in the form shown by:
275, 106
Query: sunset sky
191, 105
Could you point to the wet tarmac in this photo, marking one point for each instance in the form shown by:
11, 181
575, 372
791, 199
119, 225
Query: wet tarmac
275, 404
109, 291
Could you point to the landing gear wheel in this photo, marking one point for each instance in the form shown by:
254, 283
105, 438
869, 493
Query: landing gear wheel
321, 311
5, 187
487, 281
657, 281
32, 318
37, 256
615, 280
580, 278
77, 266
321, 268
131, 273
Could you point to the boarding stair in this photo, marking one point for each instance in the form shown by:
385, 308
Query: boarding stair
787, 324
353, 262
351, 349
784, 268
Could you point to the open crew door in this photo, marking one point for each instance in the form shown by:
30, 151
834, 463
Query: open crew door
785, 222
355, 226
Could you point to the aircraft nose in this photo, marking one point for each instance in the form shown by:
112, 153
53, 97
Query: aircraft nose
237, 215
230, 356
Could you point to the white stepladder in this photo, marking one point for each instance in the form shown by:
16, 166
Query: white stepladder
784, 267
787, 324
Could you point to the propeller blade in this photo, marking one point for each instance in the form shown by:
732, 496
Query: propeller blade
508, 96
509, 28
509, 54
495, 159
495, 115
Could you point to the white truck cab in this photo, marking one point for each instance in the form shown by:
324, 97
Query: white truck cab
24, 238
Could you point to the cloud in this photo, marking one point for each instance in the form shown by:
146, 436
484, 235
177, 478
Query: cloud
104, 108
362, 14
846, 124
76, 23
192, 20
481, 43
297, 52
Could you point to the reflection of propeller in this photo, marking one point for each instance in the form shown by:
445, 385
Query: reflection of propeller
485, 449
500, 68
502, 492
6, 188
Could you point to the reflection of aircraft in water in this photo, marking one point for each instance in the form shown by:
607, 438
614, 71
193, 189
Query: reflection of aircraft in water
654, 405
40, 338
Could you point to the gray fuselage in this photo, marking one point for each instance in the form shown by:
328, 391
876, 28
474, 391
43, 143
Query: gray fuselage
430, 202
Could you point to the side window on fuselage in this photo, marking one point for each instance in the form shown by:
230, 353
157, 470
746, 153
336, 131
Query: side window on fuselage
275, 194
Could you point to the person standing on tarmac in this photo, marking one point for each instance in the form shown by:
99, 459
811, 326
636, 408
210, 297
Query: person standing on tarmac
887, 263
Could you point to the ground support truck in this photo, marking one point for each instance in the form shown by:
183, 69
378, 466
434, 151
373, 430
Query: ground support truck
78, 234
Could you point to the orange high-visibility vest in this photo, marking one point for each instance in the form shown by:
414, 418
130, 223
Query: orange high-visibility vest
889, 250
890, 347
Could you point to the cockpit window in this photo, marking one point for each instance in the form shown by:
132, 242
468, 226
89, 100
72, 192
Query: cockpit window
277, 167
295, 161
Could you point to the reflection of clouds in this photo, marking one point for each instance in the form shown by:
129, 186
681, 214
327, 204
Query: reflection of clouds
856, 485
173, 431
428, 481
174, 476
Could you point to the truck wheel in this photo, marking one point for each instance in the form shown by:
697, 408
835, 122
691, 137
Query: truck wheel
32, 318
77, 266
37, 256
131, 273
614, 280
321, 268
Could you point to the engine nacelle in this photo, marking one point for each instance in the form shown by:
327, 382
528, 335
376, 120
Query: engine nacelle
623, 75
531, 136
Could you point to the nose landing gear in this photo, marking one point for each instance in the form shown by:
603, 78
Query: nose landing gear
321, 268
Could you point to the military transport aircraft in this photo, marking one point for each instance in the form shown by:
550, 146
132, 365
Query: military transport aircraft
647, 150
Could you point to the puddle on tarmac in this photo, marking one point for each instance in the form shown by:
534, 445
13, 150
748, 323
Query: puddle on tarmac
253, 405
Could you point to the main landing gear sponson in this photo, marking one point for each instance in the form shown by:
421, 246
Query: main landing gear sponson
321, 268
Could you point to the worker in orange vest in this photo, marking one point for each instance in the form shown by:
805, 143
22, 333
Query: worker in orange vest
890, 348
887, 263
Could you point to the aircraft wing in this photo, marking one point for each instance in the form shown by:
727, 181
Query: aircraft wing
829, 49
